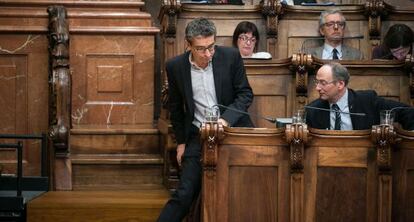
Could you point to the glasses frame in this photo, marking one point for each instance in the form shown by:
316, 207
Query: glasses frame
202, 49
340, 25
247, 39
322, 83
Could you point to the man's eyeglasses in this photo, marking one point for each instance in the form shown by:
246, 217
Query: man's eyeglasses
340, 25
202, 49
246, 39
322, 83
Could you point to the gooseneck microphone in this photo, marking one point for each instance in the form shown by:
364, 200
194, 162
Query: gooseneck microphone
272, 120
336, 111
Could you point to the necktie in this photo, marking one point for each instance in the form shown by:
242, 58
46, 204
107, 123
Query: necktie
335, 54
335, 107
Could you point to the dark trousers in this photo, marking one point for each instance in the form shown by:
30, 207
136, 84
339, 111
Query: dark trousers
189, 186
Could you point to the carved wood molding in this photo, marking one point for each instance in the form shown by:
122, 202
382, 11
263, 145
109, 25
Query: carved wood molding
211, 133
272, 10
297, 137
59, 80
375, 10
301, 63
383, 136
171, 9
409, 63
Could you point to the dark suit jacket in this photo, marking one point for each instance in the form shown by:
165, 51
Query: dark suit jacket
232, 89
348, 53
366, 102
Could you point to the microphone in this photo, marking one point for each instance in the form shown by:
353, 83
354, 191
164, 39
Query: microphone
308, 38
271, 120
336, 111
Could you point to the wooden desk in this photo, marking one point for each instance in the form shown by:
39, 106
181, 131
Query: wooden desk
296, 174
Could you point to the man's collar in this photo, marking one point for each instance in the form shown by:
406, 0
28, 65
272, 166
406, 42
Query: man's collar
343, 101
194, 65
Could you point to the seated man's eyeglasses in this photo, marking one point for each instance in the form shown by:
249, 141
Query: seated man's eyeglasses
322, 83
247, 39
335, 24
202, 49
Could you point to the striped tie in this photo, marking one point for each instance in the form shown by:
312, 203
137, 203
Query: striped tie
335, 54
335, 107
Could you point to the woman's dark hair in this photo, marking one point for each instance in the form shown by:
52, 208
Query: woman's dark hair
398, 35
245, 27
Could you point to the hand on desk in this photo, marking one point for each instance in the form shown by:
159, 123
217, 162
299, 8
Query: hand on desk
223, 122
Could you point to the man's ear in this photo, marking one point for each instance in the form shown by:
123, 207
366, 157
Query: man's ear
321, 31
187, 45
341, 84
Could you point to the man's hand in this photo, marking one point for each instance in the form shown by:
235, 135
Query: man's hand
223, 122
180, 152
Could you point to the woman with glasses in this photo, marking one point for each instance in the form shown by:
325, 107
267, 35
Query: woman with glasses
397, 43
246, 39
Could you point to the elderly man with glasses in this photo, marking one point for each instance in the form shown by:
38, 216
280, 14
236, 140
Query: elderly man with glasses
332, 27
337, 103
201, 78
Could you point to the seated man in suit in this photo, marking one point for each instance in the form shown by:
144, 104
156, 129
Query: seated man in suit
332, 27
331, 83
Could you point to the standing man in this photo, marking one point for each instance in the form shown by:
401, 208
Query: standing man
204, 76
332, 27
331, 83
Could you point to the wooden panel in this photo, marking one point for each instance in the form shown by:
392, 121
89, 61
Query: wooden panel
116, 176
13, 88
263, 198
115, 144
409, 214
252, 178
96, 99
342, 157
403, 178
340, 177
341, 193
23, 90
272, 83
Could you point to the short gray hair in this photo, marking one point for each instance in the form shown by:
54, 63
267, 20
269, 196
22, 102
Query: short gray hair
322, 20
339, 72
199, 27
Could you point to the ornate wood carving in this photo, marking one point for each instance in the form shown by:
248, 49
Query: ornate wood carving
59, 80
384, 136
171, 9
211, 133
272, 10
375, 10
409, 61
300, 64
296, 136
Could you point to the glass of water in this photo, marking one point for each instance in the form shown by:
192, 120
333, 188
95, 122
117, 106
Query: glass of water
212, 114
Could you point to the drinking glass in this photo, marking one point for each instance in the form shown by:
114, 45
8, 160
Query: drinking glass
386, 117
212, 114
298, 116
